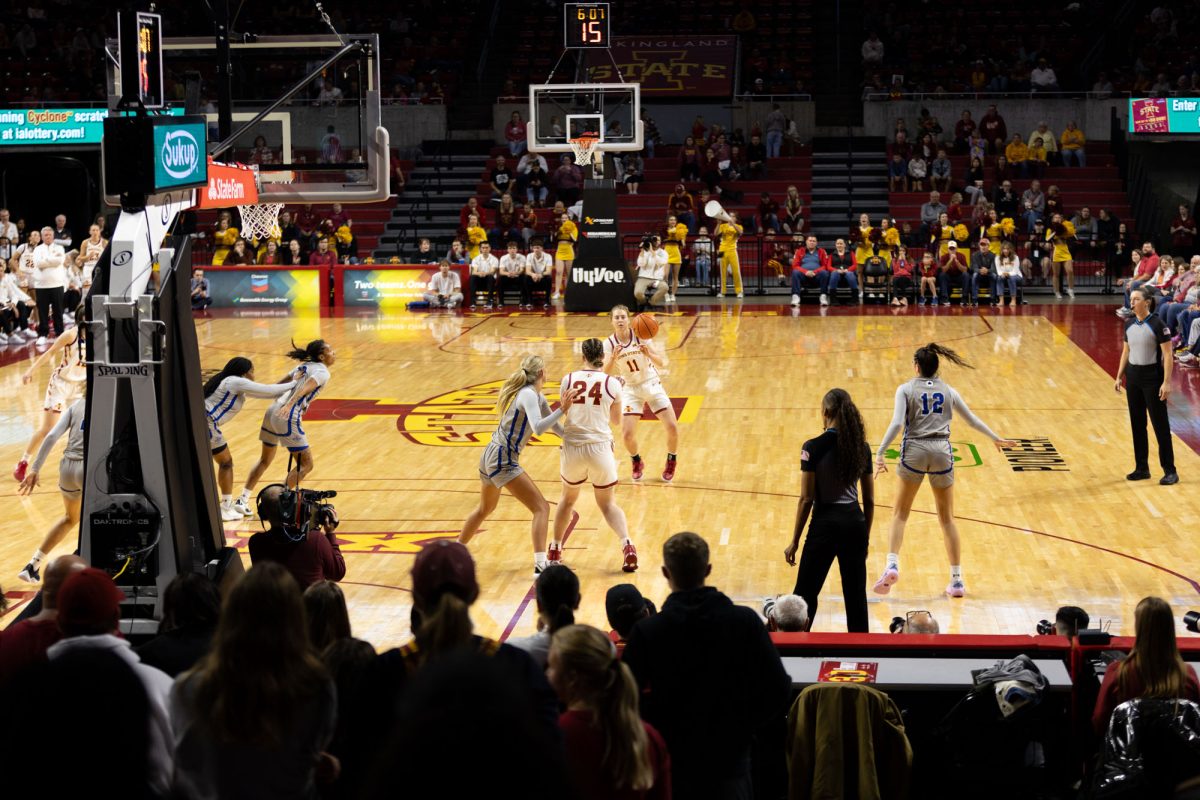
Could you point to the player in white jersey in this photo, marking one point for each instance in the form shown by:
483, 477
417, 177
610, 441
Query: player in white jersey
65, 385
224, 395
924, 407
524, 413
70, 483
587, 450
283, 421
636, 362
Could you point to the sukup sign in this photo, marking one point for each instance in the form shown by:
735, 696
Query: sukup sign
179, 158
697, 66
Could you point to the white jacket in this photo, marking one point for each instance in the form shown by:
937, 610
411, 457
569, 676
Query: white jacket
10, 291
1013, 267
49, 272
158, 692
652, 264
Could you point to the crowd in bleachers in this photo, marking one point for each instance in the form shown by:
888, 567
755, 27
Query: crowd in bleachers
263, 690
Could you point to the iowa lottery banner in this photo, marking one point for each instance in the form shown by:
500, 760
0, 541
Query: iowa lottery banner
691, 66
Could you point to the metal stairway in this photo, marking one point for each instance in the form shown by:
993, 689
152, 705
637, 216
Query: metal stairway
849, 177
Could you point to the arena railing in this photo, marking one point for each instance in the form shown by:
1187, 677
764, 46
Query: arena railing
880, 97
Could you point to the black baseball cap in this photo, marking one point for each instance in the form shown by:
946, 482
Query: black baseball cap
625, 605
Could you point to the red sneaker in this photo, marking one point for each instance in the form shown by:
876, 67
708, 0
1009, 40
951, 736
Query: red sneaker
19, 470
669, 470
630, 564
554, 553
638, 468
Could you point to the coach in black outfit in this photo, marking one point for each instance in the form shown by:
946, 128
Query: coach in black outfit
831, 469
1146, 367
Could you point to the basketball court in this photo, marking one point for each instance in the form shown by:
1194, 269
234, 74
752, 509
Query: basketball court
400, 427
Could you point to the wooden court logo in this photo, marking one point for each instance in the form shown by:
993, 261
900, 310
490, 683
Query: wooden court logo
1035, 455
965, 454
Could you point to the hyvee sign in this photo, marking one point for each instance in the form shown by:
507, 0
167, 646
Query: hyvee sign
598, 279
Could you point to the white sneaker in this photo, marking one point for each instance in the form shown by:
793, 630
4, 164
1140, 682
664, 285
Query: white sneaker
231, 514
795, 299
555, 296
242, 508
41, 341
30, 334
1185, 357
1071, 293
860, 298
3, 340
1058, 295
824, 299
740, 295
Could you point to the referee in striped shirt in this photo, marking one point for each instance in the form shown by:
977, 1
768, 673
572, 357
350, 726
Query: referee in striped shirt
1146, 368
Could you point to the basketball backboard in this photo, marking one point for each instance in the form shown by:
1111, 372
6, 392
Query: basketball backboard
562, 111
325, 144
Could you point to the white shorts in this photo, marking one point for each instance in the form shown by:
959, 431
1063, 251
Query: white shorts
932, 457
588, 462
70, 477
61, 393
287, 432
216, 439
650, 393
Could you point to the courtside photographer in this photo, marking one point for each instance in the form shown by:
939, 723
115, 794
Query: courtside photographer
299, 534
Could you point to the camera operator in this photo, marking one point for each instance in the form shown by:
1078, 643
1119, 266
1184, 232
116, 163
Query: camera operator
1068, 621
915, 622
311, 558
651, 285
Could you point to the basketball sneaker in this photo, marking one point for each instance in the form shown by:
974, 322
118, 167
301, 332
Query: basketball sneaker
669, 470
30, 574
884, 585
638, 468
19, 470
554, 553
630, 553
231, 514
242, 508
956, 589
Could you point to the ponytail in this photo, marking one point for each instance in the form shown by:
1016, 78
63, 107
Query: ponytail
558, 596
444, 627
531, 367
853, 455
927, 359
595, 675
237, 367
310, 352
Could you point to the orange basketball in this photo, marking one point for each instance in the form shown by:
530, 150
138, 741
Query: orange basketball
645, 326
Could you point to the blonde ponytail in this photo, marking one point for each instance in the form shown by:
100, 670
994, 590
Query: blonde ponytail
531, 367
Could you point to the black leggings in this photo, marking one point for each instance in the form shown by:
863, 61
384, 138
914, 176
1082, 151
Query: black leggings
16, 318
50, 305
836, 531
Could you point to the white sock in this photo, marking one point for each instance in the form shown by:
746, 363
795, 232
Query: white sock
539, 559
956, 573
245, 496
227, 500
38, 557
893, 561
27, 457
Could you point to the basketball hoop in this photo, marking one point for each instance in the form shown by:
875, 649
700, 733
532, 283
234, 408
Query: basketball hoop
260, 221
584, 146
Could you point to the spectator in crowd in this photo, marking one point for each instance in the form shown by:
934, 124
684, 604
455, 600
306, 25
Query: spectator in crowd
786, 613
918, 622
625, 607
240, 254
917, 169
756, 159
475, 236
538, 266
528, 160
254, 717
954, 271
1037, 160
25, 643
1187, 294
1073, 141
511, 272
1087, 230
843, 270
1153, 668
89, 612
1070, 620
775, 125
1042, 77
1049, 141
527, 221
942, 233
557, 595
1102, 89
1002, 172
939, 172
457, 254
269, 255
505, 229
313, 557
567, 181
328, 95
689, 160
897, 174
62, 234
294, 256
424, 255
702, 256
793, 212
327, 615
901, 145
471, 209
1054, 203
611, 752
1183, 230
49, 283
983, 272
500, 179
191, 607
702, 645
634, 169
902, 277
962, 132
810, 269
680, 203
1017, 154
993, 128
931, 211
514, 134
322, 256
536, 184
15, 308
201, 299
445, 288
872, 51
1033, 204
1006, 201
977, 146
928, 271
768, 214
484, 268
1008, 273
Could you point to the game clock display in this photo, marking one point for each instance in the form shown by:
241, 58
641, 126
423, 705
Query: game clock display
586, 25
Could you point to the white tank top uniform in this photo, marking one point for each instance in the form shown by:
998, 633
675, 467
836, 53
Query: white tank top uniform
641, 381
528, 415
924, 408
587, 450
224, 403
287, 430
70, 468
68, 378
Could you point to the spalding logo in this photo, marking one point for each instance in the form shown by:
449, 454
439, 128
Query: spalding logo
180, 154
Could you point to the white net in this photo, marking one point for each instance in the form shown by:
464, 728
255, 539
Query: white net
261, 221
584, 146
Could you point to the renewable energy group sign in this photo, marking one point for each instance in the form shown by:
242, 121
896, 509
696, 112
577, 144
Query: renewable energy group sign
1164, 115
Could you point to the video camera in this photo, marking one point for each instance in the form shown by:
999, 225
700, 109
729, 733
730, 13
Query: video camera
648, 241
301, 509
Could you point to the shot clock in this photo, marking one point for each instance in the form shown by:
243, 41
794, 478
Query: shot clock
586, 25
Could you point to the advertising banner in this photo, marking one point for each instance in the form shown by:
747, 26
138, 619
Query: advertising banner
1164, 115
54, 126
691, 66
228, 184
387, 286
598, 278
262, 287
